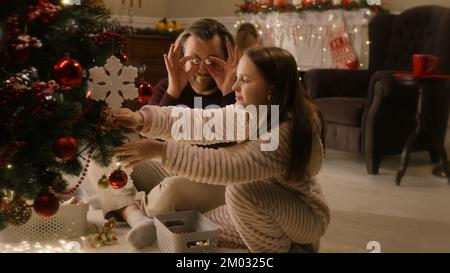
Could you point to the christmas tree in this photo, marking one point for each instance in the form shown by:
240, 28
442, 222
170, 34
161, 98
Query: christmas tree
49, 125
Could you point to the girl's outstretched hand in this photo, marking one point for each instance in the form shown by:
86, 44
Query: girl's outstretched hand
139, 151
126, 118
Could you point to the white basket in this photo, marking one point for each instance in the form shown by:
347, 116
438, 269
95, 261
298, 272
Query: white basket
70, 221
200, 230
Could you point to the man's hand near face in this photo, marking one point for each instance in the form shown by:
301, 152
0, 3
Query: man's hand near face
178, 75
224, 72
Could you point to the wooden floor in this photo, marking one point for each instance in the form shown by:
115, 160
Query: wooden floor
414, 217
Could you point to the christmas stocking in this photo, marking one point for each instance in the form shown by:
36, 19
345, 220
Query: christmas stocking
342, 52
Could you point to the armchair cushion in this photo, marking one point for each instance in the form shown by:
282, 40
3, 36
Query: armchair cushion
342, 110
322, 83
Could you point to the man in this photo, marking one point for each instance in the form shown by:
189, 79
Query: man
196, 69
199, 42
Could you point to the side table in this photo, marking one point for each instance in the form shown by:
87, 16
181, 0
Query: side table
425, 85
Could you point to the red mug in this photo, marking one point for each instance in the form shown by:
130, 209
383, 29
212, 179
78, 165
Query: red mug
424, 64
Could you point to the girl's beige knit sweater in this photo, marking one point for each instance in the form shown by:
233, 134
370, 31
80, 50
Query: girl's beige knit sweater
240, 163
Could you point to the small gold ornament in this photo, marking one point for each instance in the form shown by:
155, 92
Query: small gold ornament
17, 212
103, 182
104, 235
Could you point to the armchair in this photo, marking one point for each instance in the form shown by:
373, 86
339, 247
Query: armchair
366, 111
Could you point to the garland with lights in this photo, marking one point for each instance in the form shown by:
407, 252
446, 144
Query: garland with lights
49, 125
327, 36
255, 7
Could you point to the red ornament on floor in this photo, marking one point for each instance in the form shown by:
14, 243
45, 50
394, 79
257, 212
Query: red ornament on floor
46, 205
146, 91
65, 148
118, 179
68, 73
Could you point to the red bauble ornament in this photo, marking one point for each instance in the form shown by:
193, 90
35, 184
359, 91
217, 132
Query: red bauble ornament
146, 91
65, 148
68, 73
279, 3
46, 205
118, 179
352, 65
122, 57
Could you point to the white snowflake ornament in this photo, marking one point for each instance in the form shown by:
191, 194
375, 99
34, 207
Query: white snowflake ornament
113, 83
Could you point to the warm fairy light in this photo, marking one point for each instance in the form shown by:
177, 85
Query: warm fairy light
67, 2
62, 246
88, 94
9, 166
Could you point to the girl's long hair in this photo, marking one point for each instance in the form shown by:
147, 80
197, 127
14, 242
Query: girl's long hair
279, 69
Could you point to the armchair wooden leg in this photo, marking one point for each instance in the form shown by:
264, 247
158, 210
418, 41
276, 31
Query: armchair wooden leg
434, 156
373, 165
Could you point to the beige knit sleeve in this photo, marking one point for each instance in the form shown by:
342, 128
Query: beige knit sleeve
195, 126
244, 162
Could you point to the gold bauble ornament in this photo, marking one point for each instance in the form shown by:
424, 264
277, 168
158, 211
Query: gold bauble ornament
103, 182
17, 212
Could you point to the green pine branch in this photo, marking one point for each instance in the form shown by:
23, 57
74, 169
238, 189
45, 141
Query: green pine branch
36, 121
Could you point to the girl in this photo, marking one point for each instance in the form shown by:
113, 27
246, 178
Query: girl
273, 201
